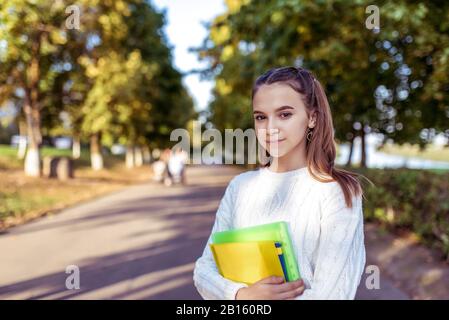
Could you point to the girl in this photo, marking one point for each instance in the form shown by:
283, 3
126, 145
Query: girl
298, 184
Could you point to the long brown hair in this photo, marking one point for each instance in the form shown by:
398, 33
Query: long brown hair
320, 150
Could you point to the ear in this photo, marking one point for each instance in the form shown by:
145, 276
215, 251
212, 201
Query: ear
312, 120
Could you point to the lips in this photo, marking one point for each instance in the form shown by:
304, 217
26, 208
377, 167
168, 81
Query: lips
275, 141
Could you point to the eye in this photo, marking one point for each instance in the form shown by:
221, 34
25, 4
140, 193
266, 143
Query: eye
259, 117
285, 114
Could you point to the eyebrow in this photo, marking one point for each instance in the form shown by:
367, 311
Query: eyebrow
278, 109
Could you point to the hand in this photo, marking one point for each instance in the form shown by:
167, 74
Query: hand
271, 288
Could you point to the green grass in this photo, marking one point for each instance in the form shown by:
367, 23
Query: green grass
9, 160
17, 204
407, 150
23, 198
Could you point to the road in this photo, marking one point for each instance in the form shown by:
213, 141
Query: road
137, 243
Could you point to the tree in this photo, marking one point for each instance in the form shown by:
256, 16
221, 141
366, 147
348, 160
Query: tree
133, 82
114, 106
31, 33
376, 80
112, 79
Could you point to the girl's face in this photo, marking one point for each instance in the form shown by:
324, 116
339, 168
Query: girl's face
280, 119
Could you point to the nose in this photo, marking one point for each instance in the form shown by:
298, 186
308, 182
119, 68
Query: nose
269, 129
272, 128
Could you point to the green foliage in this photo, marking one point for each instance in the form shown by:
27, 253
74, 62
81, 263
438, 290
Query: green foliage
114, 76
134, 91
417, 200
330, 38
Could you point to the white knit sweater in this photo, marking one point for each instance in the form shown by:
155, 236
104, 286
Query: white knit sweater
327, 236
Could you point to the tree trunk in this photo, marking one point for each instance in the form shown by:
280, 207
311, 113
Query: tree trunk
138, 156
130, 160
32, 159
364, 160
33, 115
96, 158
76, 147
22, 140
351, 149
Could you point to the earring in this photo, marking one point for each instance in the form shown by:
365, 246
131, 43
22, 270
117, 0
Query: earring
309, 135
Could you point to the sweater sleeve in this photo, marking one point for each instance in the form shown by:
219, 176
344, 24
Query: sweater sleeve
208, 281
341, 253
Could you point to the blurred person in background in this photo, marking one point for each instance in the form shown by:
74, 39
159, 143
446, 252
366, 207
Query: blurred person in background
160, 169
176, 166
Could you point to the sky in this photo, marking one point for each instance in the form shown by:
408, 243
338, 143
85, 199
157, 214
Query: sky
184, 29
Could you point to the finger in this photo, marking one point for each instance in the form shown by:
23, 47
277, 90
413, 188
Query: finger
271, 280
289, 286
287, 296
300, 290
291, 295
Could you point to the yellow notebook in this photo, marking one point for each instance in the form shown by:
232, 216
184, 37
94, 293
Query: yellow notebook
247, 262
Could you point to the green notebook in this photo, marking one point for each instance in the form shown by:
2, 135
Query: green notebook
277, 231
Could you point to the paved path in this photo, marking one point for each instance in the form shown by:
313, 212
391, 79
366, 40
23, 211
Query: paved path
138, 243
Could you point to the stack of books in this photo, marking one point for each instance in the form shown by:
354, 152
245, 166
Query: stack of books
250, 254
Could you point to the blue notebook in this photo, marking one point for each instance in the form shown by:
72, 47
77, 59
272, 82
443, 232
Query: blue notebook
281, 259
